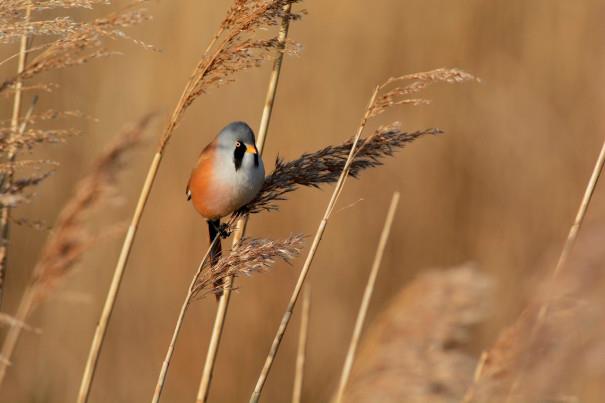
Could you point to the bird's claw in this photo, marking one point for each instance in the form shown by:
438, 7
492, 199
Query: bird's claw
223, 229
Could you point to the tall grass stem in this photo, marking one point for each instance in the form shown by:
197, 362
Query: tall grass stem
310, 256
240, 229
562, 260
165, 364
24, 43
367, 296
301, 350
101, 329
565, 253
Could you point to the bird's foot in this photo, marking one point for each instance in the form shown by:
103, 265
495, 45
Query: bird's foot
224, 230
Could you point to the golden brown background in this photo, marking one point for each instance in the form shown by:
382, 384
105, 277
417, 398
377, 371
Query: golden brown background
500, 188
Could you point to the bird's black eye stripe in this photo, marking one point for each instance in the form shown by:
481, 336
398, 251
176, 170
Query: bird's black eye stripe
238, 154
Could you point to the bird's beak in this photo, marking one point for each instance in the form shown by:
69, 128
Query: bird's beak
251, 149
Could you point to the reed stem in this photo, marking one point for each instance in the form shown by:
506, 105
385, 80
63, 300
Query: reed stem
570, 241
13, 333
7, 180
179, 323
302, 346
365, 301
310, 256
101, 329
12, 336
223, 304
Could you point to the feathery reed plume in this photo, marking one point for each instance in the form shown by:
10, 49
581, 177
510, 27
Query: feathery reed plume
354, 150
400, 95
71, 237
32, 137
223, 304
251, 256
562, 357
301, 350
26, 138
11, 11
8, 176
367, 295
415, 349
306, 266
325, 165
179, 324
238, 49
11, 200
78, 43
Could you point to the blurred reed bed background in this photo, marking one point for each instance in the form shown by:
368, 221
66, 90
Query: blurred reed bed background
499, 189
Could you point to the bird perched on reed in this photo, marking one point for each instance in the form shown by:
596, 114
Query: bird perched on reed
229, 174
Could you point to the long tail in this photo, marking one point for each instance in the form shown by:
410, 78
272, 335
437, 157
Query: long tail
215, 253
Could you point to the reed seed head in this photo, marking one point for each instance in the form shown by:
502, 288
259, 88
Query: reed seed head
71, 237
251, 256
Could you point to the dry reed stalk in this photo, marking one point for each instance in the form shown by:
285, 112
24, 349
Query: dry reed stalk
8, 320
70, 238
367, 295
7, 178
240, 228
416, 349
560, 360
305, 269
252, 256
13, 189
301, 350
78, 43
179, 323
561, 262
376, 106
579, 219
325, 165
236, 52
567, 248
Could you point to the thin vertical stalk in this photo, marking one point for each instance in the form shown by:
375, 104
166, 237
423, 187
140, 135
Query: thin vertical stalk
25, 305
563, 257
223, 304
116, 281
367, 295
575, 228
12, 153
179, 323
101, 329
310, 256
12, 336
302, 346
565, 252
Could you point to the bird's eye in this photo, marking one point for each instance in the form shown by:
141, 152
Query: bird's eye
238, 144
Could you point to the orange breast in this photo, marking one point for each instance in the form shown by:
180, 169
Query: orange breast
206, 192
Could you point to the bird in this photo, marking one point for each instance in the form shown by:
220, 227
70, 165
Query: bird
229, 174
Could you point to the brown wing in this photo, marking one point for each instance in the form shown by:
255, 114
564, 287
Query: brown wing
208, 196
203, 156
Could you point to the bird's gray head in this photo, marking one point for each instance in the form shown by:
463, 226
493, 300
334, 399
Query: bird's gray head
238, 138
